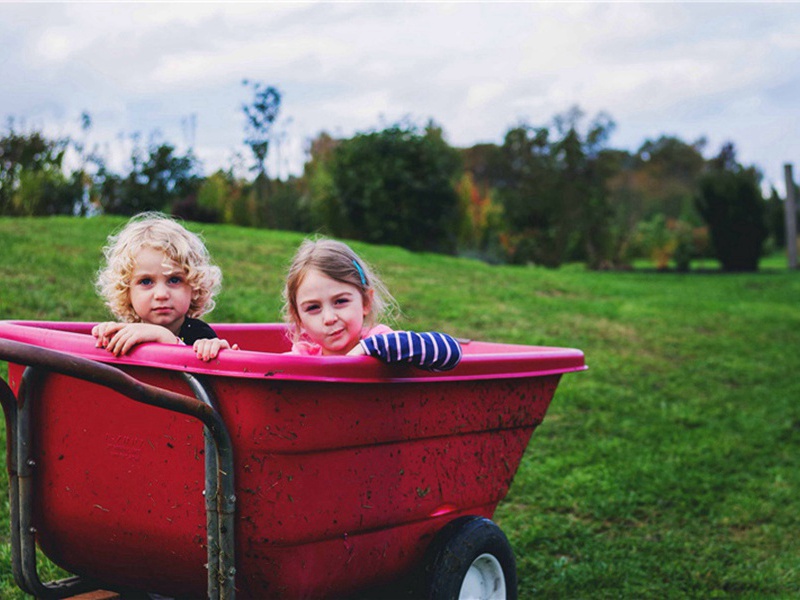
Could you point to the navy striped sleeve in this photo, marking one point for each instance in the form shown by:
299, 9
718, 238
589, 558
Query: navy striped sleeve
432, 351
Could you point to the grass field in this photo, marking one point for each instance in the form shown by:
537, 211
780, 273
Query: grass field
670, 469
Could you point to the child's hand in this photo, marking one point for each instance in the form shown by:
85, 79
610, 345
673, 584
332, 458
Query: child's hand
104, 331
207, 349
121, 338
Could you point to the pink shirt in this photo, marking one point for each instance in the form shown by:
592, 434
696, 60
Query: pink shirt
307, 348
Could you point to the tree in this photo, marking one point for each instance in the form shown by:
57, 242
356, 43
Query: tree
670, 169
159, 178
286, 207
731, 203
527, 193
260, 116
776, 218
215, 196
89, 161
396, 186
552, 185
485, 163
658, 180
319, 193
170, 176
31, 178
583, 182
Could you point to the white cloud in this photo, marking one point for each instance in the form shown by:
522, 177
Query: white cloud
55, 45
481, 95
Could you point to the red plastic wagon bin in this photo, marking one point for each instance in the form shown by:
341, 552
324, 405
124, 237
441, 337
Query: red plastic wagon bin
261, 474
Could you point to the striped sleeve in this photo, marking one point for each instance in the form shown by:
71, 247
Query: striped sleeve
432, 351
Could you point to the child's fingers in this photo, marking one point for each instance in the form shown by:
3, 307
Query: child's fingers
130, 342
114, 343
99, 331
119, 342
104, 332
100, 328
205, 353
122, 341
206, 349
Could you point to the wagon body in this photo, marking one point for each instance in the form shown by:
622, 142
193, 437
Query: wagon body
344, 468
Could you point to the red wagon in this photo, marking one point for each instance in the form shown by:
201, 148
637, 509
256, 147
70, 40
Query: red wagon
261, 474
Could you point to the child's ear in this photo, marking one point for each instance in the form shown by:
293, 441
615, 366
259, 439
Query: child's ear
368, 301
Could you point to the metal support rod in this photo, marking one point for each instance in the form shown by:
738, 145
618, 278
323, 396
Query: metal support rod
210, 494
115, 379
220, 506
9, 403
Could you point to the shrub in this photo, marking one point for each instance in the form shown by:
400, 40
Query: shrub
731, 203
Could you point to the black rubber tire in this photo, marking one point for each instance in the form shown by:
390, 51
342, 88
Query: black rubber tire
453, 551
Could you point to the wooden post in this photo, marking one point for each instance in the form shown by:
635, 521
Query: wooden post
790, 211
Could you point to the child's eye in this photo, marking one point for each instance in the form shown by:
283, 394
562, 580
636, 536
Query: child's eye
145, 281
310, 308
342, 301
175, 279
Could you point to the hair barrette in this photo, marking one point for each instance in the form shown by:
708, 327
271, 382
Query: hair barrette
360, 273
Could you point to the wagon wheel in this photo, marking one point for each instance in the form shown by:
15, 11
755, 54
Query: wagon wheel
471, 559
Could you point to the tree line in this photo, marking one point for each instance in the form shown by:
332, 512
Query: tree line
548, 194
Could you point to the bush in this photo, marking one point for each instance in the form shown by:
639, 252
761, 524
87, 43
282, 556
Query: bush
396, 186
731, 203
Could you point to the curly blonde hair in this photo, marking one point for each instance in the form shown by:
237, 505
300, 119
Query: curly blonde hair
159, 232
338, 261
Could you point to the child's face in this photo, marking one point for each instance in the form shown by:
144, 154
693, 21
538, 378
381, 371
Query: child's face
331, 312
159, 292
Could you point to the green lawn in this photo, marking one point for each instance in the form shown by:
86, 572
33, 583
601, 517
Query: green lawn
670, 469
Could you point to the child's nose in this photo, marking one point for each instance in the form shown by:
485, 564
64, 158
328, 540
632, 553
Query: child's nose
161, 291
329, 315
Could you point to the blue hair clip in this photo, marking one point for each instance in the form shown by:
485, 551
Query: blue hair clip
360, 273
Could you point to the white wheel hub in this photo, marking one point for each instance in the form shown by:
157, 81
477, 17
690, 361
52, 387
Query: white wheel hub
484, 580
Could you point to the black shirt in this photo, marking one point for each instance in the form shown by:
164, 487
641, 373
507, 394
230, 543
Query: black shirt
195, 329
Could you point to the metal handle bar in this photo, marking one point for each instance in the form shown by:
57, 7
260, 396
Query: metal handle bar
220, 584
110, 377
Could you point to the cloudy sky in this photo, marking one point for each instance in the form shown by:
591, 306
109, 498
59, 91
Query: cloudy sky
723, 71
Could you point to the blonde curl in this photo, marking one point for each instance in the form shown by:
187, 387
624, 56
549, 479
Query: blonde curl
159, 232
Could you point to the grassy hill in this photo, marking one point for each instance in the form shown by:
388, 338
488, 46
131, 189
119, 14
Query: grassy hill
669, 469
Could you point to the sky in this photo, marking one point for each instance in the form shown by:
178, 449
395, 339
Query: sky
173, 72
